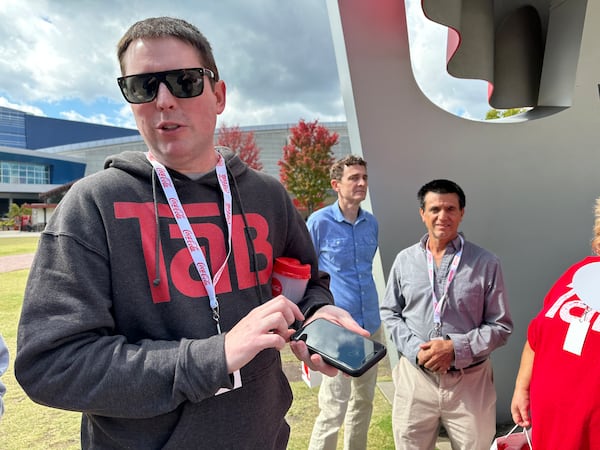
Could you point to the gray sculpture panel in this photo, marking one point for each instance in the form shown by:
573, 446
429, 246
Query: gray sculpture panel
530, 184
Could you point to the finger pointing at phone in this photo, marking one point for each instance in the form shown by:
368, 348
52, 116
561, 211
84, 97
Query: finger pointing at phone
340, 316
267, 326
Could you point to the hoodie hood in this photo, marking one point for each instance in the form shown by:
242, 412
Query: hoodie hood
136, 164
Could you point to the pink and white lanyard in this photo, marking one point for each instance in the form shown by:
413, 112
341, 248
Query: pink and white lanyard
438, 304
186, 229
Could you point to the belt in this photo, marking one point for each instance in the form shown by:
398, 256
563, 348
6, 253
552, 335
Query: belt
478, 363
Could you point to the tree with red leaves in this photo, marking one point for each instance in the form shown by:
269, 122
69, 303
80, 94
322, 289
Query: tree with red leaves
304, 168
241, 143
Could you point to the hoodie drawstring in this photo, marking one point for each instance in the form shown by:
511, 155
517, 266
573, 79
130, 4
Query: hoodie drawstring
156, 281
247, 232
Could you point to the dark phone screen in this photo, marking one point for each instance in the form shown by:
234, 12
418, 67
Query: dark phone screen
339, 344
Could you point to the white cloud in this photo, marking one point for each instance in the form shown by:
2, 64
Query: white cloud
466, 98
21, 107
99, 119
276, 57
276, 54
125, 118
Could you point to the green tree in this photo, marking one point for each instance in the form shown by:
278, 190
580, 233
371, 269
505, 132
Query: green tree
15, 212
304, 168
502, 113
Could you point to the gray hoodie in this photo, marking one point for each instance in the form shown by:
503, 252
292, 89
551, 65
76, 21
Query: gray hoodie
117, 325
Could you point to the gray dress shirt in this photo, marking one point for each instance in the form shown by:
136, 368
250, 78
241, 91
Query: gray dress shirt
475, 314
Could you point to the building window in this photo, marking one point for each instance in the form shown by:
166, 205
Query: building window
12, 128
23, 173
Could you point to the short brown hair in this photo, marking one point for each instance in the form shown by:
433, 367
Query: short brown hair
160, 27
337, 168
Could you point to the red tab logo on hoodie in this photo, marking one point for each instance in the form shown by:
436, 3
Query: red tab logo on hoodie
212, 240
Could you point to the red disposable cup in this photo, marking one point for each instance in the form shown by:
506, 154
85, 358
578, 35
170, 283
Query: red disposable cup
290, 277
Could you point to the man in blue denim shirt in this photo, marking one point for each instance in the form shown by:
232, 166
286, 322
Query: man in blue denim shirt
345, 238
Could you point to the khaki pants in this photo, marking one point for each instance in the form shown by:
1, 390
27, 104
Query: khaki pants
464, 402
349, 401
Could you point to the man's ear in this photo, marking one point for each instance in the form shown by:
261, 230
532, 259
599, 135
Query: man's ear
220, 94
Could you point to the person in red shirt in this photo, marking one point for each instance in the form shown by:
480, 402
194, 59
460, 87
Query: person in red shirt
556, 389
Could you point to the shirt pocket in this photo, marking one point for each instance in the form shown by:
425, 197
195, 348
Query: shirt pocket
338, 252
366, 246
470, 300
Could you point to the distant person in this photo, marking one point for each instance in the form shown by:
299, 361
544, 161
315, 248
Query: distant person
557, 389
446, 309
345, 237
148, 306
4, 357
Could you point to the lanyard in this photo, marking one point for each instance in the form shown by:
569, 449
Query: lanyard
438, 304
186, 229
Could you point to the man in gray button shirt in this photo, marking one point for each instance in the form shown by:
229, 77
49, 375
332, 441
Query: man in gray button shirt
446, 309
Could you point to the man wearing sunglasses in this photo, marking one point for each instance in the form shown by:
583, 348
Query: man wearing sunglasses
148, 306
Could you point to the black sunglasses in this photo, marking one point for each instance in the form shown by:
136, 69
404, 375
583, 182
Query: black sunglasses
182, 83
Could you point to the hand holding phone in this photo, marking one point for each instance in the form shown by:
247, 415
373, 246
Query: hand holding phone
346, 350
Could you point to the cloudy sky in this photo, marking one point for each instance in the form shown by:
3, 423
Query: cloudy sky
57, 59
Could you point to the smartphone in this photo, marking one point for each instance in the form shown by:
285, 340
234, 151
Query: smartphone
348, 351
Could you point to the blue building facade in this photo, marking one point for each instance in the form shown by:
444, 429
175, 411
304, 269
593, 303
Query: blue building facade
26, 172
21, 130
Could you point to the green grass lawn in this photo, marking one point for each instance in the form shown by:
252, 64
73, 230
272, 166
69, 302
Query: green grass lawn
18, 245
27, 425
305, 409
